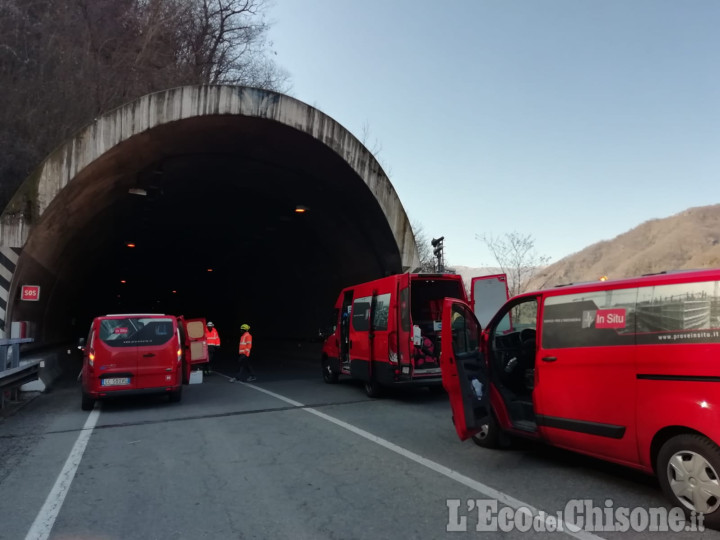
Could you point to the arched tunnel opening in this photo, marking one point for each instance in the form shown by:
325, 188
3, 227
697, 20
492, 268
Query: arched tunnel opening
233, 218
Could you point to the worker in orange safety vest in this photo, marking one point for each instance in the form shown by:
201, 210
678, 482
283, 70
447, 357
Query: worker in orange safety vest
213, 341
244, 355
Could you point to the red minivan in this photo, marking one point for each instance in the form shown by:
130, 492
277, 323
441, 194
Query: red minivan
386, 332
626, 371
131, 354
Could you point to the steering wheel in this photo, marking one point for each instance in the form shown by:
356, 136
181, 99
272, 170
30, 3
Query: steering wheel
527, 335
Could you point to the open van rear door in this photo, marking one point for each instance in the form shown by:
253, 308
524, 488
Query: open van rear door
487, 296
196, 349
464, 370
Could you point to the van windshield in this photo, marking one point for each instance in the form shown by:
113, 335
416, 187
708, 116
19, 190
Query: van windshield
134, 331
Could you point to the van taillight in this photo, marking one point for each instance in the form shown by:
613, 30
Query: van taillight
392, 353
91, 357
179, 353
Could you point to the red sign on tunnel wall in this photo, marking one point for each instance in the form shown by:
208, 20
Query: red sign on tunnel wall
30, 292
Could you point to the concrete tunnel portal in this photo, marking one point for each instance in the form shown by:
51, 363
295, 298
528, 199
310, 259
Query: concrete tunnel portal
205, 182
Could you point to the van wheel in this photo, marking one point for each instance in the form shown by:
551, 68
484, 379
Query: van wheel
491, 436
185, 372
329, 376
87, 403
175, 396
688, 468
373, 389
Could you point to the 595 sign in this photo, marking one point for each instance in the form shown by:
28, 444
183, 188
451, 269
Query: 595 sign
30, 292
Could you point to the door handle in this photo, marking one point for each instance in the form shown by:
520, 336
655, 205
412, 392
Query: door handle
148, 355
549, 358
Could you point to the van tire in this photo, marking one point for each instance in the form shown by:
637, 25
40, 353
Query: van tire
185, 372
706, 455
87, 403
329, 376
373, 389
176, 396
491, 436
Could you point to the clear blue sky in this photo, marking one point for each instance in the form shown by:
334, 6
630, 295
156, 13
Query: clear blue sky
570, 120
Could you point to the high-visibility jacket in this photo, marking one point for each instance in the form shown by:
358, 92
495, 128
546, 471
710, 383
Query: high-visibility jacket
212, 337
245, 344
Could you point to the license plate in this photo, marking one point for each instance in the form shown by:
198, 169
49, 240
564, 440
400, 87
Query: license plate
115, 382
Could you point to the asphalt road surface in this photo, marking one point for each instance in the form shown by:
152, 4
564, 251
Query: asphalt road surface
291, 457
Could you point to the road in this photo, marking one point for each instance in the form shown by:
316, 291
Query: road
285, 457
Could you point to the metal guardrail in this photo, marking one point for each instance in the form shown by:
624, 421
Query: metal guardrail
12, 374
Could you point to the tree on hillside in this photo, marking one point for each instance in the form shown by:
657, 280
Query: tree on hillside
516, 256
64, 63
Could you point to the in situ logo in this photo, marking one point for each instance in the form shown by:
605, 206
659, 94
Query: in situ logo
485, 515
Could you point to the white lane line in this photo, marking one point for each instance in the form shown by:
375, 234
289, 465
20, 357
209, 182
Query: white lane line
550, 519
45, 519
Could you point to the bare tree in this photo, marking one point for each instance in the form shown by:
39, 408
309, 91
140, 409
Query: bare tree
516, 256
64, 63
227, 42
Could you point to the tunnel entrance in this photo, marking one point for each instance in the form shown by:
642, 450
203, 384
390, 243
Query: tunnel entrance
233, 204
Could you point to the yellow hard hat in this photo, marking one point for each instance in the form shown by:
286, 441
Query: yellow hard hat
245, 327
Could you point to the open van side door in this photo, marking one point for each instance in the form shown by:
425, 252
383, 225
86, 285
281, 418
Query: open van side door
487, 296
464, 368
195, 346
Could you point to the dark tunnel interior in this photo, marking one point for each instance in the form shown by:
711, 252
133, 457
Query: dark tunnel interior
200, 218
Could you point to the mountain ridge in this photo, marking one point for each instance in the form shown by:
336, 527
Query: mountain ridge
687, 240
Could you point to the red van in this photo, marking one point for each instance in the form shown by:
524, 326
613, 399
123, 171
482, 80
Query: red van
626, 371
386, 332
132, 354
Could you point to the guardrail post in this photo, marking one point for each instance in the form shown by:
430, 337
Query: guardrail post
6, 362
10, 360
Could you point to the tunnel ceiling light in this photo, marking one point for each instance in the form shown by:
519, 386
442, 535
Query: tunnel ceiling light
123, 281
210, 269
300, 209
130, 244
174, 292
137, 191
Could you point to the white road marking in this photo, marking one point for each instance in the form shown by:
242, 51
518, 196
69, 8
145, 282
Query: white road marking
45, 519
567, 527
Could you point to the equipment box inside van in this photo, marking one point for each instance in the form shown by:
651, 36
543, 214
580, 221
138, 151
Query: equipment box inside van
387, 332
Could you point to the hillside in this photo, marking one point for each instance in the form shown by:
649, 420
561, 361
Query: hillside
690, 239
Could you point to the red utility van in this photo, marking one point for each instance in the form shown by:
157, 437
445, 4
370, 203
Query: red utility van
626, 371
386, 332
134, 354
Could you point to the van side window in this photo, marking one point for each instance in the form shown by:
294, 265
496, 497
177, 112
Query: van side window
592, 319
679, 313
361, 314
382, 310
518, 317
465, 331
